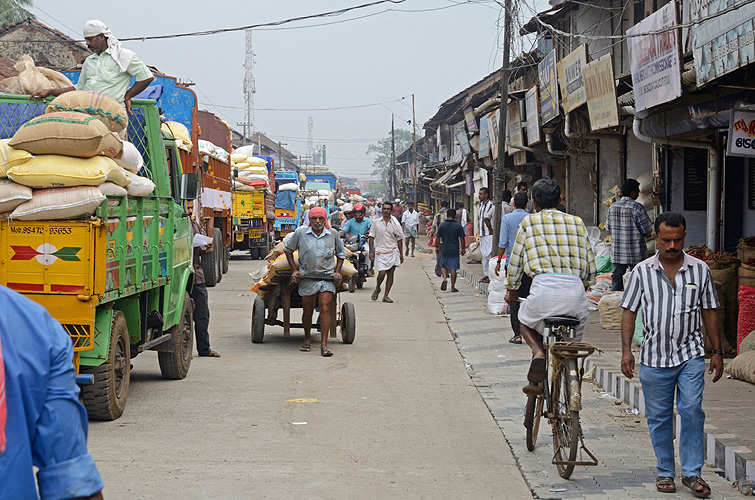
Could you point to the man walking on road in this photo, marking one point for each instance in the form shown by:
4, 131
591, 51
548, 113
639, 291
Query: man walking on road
629, 225
317, 245
675, 290
410, 223
506, 205
450, 233
437, 221
521, 187
199, 293
551, 247
509, 226
485, 212
386, 238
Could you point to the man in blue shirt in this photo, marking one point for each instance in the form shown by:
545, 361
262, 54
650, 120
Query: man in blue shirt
46, 425
509, 225
447, 239
359, 224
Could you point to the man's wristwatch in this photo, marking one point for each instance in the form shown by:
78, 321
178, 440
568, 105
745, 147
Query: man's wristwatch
718, 351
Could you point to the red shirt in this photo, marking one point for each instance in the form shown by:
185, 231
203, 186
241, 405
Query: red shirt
398, 211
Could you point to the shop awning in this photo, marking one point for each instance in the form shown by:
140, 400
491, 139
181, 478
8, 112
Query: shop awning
448, 175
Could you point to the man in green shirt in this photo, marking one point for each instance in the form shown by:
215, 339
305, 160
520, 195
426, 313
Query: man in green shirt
109, 69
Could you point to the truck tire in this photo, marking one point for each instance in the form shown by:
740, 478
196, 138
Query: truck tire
219, 250
226, 259
105, 399
209, 267
175, 365
258, 320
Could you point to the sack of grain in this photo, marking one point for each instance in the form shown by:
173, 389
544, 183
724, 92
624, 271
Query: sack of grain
10, 157
180, 132
746, 249
12, 195
111, 189
130, 158
610, 312
56, 79
66, 133
746, 274
139, 186
288, 187
58, 204
743, 367
724, 271
105, 108
53, 171
646, 183
238, 157
721, 315
748, 343
238, 186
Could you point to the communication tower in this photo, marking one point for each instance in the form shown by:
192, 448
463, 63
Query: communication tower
249, 89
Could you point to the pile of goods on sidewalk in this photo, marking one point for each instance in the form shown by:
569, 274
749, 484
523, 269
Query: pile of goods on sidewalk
743, 366
497, 289
610, 312
596, 292
64, 163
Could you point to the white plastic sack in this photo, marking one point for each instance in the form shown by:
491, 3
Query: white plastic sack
602, 249
288, 187
140, 186
112, 189
60, 203
474, 254
502, 273
244, 151
497, 302
12, 195
130, 158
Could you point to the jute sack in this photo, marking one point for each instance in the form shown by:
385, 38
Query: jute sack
727, 276
746, 252
59, 204
66, 133
10, 157
748, 343
12, 195
53, 171
743, 367
721, 314
746, 275
108, 110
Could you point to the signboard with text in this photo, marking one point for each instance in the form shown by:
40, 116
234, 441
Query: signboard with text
494, 120
654, 59
514, 125
533, 116
600, 90
741, 141
484, 150
546, 74
570, 78
470, 119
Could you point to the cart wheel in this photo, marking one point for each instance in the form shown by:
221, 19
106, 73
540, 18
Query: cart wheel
352, 284
258, 320
348, 323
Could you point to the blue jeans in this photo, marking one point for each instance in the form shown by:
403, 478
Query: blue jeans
658, 386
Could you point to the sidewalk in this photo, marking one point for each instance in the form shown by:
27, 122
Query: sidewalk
729, 404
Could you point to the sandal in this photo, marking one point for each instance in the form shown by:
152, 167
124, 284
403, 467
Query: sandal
375, 295
386, 299
444, 285
211, 354
305, 347
695, 482
485, 280
516, 339
537, 371
665, 484
325, 352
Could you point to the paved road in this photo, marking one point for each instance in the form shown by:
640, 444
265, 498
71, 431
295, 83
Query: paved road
396, 416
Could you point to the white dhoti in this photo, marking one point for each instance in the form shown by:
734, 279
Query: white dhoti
385, 260
486, 249
555, 295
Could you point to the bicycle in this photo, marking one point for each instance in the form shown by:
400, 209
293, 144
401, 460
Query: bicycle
563, 396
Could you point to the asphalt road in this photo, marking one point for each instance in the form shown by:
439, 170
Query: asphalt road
395, 416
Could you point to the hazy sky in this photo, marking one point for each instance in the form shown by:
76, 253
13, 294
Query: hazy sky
383, 58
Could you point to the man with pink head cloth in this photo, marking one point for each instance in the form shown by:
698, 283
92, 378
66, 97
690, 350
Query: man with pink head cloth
317, 245
109, 69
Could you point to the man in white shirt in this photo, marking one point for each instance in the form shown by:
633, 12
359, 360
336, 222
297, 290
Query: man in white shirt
410, 224
463, 216
485, 212
386, 238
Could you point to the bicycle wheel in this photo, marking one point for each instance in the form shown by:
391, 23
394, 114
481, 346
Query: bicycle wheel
565, 420
533, 413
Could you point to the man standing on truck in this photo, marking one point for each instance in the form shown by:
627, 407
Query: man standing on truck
199, 293
317, 245
42, 422
109, 69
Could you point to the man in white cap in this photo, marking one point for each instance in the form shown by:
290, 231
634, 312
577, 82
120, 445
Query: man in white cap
109, 69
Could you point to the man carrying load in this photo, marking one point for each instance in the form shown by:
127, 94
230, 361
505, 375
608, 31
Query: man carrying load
317, 245
108, 70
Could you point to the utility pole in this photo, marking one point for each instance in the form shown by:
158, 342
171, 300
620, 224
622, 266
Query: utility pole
502, 124
249, 89
392, 172
414, 153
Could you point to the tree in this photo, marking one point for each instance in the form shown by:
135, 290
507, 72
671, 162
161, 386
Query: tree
382, 162
13, 11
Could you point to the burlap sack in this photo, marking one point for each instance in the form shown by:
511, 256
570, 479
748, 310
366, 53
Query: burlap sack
746, 275
743, 367
748, 343
727, 276
746, 252
68, 134
721, 310
105, 108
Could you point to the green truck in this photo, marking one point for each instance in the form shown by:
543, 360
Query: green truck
119, 281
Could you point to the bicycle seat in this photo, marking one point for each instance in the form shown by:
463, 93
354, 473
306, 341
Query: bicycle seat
561, 320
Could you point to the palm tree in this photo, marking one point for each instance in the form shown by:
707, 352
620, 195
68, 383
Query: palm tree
13, 11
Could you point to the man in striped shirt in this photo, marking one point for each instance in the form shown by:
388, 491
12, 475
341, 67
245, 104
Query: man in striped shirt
674, 290
552, 248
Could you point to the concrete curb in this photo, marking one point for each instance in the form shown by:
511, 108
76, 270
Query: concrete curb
721, 449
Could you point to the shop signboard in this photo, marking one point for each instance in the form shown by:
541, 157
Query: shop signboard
514, 125
741, 141
494, 120
722, 43
546, 74
484, 150
460, 138
654, 59
533, 116
600, 90
470, 119
571, 80
456, 131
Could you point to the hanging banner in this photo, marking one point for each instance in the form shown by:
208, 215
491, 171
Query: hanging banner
741, 141
724, 43
533, 116
600, 90
460, 137
546, 73
654, 59
456, 150
514, 128
484, 150
470, 119
570, 78
494, 120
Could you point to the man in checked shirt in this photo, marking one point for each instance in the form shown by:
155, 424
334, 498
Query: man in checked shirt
552, 248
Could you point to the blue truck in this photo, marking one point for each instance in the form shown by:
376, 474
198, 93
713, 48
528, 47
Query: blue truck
287, 204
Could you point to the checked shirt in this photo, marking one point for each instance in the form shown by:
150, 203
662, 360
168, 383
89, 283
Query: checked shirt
551, 242
629, 225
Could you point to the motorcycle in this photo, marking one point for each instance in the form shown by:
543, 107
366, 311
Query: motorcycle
359, 259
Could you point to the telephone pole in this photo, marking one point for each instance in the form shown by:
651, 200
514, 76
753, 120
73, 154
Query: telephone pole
392, 172
498, 176
414, 153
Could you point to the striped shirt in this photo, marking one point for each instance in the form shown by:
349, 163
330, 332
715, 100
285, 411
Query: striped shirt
629, 225
671, 314
551, 242
485, 211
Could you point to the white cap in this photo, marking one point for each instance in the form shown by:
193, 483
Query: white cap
347, 207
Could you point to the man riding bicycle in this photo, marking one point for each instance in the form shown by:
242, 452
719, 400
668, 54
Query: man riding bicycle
552, 248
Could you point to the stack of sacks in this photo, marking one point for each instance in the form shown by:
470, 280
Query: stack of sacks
180, 133
252, 172
279, 271
610, 312
598, 290
206, 147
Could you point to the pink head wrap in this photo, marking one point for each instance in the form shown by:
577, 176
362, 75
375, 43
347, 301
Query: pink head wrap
319, 212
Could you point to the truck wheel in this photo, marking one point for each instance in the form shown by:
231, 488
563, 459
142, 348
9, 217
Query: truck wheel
258, 320
226, 259
105, 399
219, 250
348, 323
254, 253
175, 365
209, 267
